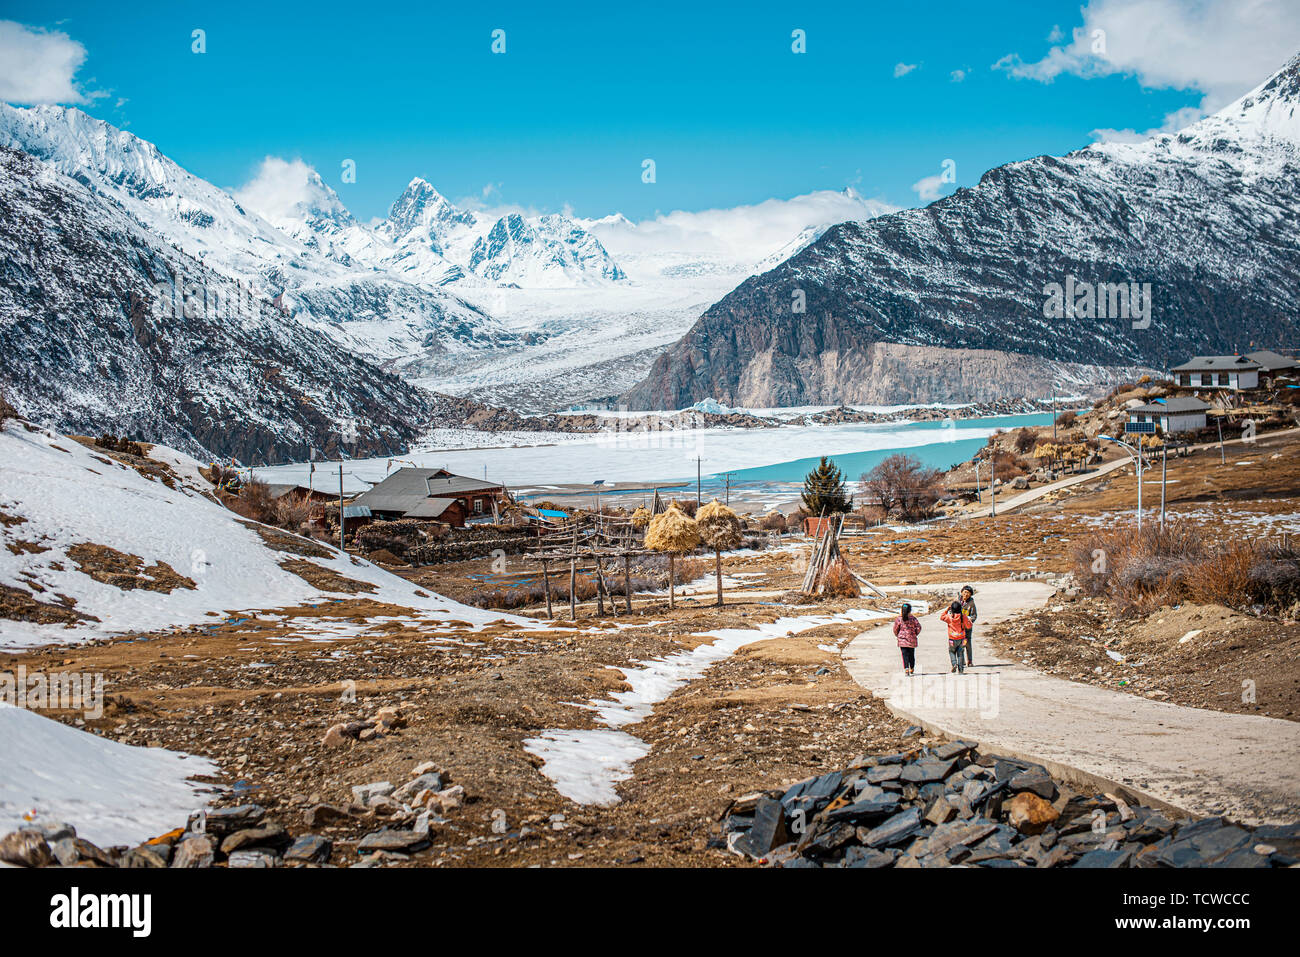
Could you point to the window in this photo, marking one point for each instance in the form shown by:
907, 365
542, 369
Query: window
478, 506
1223, 378
1207, 378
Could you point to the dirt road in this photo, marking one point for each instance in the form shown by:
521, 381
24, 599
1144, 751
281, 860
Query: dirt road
1199, 761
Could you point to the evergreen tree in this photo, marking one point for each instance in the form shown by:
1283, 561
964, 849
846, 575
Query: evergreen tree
823, 490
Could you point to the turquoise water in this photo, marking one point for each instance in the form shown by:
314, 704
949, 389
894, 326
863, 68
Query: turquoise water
932, 453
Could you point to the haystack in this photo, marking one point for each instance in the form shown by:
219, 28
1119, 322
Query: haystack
721, 530
674, 533
641, 517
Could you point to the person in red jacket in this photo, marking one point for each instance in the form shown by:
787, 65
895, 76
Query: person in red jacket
958, 625
906, 628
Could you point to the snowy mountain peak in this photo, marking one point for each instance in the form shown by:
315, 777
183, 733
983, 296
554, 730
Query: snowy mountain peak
422, 207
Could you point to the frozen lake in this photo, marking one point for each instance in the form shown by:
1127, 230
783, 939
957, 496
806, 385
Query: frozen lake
757, 455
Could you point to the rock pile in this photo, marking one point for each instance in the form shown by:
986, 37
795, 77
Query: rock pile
244, 836
948, 805
385, 721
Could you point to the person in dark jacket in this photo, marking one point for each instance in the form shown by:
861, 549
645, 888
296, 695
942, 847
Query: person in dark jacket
968, 609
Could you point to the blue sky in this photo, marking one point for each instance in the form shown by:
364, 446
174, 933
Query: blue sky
586, 92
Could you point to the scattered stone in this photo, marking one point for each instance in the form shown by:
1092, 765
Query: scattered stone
269, 833
323, 815
310, 848
365, 794
390, 839
227, 820
194, 851
252, 857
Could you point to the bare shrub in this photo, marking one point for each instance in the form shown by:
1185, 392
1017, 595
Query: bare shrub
7, 411
1025, 440
900, 483
1224, 575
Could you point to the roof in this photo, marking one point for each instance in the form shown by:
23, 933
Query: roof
1218, 364
430, 508
552, 513
277, 490
356, 511
1172, 406
1272, 361
408, 489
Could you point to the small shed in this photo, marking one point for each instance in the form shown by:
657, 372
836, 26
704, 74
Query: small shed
1168, 416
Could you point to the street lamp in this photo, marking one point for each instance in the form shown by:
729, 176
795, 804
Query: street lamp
1137, 458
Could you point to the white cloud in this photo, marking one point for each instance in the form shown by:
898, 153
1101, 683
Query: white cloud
957, 75
902, 69
929, 188
1219, 48
1175, 121
39, 66
286, 189
743, 234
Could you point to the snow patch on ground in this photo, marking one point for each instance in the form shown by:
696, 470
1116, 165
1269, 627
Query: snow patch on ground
112, 793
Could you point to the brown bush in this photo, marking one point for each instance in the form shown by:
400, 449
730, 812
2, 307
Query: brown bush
775, 522
1025, 440
7, 411
1224, 575
1137, 570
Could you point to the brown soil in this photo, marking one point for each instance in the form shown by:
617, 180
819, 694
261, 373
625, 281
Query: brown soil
18, 605
282, 541
326, 579
124, 571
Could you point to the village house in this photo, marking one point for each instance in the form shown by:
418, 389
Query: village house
1273, 365
1168, 415
1218, 372
431, 495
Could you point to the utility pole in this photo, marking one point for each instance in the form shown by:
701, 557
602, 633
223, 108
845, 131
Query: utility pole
1164, 466
697, 481
993, 492
1053, 416
342, 521
1218, 420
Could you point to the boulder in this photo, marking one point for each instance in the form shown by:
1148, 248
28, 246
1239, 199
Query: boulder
310, 848
26, 847
1029, 814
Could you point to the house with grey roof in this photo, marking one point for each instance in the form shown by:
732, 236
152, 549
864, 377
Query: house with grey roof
1273, 364
1218, 372
1167, 415
431, 495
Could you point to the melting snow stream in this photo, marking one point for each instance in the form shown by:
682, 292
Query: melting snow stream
586, 765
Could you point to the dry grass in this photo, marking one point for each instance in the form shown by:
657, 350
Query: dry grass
1143, 571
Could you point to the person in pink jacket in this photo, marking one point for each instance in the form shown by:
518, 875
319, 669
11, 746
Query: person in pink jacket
906, 629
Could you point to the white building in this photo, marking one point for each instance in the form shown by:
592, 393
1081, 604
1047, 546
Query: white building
1218, 372
1168, 415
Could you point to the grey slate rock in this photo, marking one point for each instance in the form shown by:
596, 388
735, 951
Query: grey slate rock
895, 830
227, 820
311, 848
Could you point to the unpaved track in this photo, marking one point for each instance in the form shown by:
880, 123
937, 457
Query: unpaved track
1199, 761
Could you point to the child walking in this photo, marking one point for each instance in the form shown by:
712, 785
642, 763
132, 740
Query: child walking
906, 627
958, 625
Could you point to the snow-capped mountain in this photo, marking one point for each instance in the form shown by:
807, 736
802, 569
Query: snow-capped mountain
1181, 244
107, 327
312, 257
435, 240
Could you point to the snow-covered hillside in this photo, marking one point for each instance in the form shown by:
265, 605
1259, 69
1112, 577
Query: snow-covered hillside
102, 549
312, 260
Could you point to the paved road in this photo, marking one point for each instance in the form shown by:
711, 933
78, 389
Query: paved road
1200, 761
